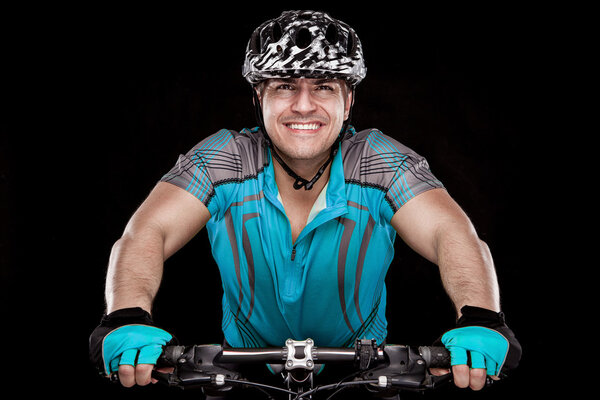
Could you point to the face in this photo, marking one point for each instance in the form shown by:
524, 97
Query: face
303, 117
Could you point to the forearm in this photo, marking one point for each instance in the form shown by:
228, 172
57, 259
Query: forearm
467, 270
135, 270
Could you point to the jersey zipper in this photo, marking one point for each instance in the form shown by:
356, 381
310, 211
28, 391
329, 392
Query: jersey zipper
293, 252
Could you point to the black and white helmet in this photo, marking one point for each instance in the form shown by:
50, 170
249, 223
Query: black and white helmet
304, 43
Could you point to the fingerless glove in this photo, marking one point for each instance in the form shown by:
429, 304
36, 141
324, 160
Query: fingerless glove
483, 336
127, 336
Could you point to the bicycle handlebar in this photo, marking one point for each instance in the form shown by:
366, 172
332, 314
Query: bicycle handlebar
390, 367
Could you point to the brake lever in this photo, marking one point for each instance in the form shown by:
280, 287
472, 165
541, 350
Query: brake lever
432, 381
405, 369
167, 378
193, 366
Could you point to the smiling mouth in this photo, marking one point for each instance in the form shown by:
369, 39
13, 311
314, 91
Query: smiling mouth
304, 127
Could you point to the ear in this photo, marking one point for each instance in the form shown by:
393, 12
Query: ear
349, 102
257, 96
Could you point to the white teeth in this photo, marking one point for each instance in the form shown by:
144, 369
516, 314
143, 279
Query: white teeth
304, 126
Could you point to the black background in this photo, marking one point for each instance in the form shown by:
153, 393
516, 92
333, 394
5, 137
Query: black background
99, 101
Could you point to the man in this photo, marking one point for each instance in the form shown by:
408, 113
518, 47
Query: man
302, 213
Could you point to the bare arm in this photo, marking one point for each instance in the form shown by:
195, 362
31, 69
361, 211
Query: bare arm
165, 221
438, 229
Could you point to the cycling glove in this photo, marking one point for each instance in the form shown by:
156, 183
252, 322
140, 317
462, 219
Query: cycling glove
483, 336
129, 337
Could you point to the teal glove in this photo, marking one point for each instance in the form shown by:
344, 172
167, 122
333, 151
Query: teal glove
487, 348
483, 335
126, 337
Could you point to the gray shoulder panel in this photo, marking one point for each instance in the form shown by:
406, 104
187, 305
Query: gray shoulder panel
224, 157
379, 161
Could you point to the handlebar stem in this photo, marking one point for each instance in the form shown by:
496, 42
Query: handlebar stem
299, 354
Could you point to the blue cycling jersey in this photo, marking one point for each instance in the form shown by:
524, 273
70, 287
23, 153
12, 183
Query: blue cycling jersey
327, 285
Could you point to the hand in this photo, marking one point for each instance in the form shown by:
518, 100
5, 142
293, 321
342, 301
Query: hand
127, 342
481, 345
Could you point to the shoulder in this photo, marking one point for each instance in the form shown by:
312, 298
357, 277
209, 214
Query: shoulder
218, 164
245, 140
229, 153
372, 156
374, 140
373, 159
222, 157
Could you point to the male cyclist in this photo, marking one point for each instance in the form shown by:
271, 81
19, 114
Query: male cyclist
302, 212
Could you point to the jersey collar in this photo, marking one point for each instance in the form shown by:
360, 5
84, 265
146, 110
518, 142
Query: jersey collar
335, 203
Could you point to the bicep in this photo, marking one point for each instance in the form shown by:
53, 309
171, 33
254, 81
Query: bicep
172, 211
423, 219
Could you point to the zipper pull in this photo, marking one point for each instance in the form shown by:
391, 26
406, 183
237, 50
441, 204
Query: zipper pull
293, 253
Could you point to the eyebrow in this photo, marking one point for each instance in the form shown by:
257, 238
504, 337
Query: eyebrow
280, 80
325, 80
294, 80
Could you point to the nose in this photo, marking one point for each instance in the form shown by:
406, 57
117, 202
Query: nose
303, 101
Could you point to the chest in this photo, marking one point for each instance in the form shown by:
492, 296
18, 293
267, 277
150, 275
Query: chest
260, 249
298, 215
301, 207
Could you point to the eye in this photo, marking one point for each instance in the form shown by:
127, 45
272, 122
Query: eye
284, 86
325, 87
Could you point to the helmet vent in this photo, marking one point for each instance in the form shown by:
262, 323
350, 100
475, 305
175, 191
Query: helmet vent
255, 44
303, 38
276, 33
331, 34
351, 49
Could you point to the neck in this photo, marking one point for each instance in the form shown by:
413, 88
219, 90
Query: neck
305, 169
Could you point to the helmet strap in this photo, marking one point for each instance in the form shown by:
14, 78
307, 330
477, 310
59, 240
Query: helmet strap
299, 182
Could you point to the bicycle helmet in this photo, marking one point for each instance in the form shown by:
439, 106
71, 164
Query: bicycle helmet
304, 43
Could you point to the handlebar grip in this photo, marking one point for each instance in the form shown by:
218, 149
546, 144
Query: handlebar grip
435, 356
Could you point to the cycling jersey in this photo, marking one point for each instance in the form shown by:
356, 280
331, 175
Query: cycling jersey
327, 285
